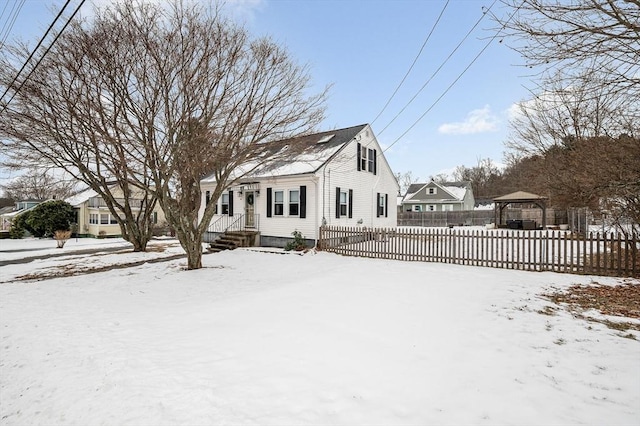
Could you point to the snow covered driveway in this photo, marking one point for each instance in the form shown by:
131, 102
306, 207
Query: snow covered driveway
270, 339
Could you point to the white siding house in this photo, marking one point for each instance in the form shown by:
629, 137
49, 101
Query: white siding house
340, 177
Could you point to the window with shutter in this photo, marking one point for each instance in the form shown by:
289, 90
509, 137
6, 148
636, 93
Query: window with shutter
278, 203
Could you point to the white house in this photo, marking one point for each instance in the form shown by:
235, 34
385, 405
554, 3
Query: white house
438, 197
93, 217
339, 177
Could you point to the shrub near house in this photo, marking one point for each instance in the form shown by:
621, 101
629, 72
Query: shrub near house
45, 219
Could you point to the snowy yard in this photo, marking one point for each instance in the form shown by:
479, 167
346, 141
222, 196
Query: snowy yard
258, 338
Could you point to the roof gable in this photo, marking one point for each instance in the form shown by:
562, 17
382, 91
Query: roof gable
451, 191
311, 152
81, 197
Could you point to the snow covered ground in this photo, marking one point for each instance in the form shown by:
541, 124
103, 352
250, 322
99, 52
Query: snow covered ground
319, 339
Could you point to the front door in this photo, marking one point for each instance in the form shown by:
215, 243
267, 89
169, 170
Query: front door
249, 209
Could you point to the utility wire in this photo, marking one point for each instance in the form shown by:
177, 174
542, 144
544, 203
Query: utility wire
413, 64
496, 35
42, 39
10, 22
484, 13
43, 55
452, 84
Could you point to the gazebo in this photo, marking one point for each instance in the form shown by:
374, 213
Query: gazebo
520, 197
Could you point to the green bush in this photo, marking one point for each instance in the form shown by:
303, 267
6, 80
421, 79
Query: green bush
297, 244
18, 227
49, 217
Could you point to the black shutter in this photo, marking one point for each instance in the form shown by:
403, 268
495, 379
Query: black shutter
386, 205
359, 153
378, 205
303, 202
269, 202
375, 162
350, 203
338, 201
215, 209
230, 203
207, 198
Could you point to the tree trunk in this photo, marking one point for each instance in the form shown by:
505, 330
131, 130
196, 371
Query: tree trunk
191, 242
194, 258
135, 234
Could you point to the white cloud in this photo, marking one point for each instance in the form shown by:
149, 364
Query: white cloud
244, 10
477, 121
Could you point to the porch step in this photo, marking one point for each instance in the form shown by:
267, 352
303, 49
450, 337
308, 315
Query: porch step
231, 240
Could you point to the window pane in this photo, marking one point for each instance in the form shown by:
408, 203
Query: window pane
104, 219
293, 210
224, 204
293, 197
279, 196
278, 209
343, 197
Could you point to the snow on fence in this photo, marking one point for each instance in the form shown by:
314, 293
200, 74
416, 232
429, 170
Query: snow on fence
560, 251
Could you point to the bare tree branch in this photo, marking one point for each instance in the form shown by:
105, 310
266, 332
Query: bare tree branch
157, 98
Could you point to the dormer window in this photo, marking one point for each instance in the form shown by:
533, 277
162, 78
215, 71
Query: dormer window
432, 191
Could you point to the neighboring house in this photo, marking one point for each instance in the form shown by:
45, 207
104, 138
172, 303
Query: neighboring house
93, 217
8, 214
438, 197
340, 177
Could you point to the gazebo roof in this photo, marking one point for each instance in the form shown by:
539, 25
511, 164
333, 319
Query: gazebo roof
520, 197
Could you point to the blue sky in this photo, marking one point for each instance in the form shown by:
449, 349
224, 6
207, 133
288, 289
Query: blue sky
364, 48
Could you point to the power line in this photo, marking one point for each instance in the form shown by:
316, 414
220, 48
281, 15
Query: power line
484, 13
454, 82
10, 22
496, 35
413, 64
34, 50
43, 55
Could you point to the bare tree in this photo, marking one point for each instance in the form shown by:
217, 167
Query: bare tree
66, 116
562, 113
598, 35
38, 185
405, 180
440, 178
158, 98
600, 173
481, 177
